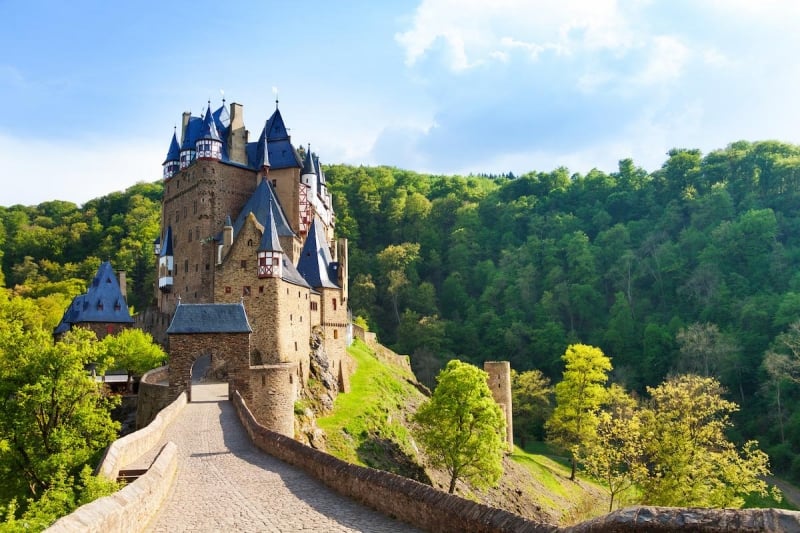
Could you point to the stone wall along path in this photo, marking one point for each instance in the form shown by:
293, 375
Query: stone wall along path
224, 483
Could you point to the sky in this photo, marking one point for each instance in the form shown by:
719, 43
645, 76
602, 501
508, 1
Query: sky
93, 89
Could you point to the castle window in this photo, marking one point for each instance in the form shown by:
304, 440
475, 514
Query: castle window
186, 265
295, 346
196, 267
195, 207
184, 210
261, 289
334, 304
99, 306
208, 266
291, 317
177, 216
244, 263
313, 306
335, 333
274, 183
263, 379
249, 242
109, 329
227, 290
246, 290
190, 235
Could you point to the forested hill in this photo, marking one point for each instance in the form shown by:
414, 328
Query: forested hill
694, 267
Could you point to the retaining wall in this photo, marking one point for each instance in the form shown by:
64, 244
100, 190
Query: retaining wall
129, 509
402, 498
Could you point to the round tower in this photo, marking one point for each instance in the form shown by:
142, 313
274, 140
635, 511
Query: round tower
500, 385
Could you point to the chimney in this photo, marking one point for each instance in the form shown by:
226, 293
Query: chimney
237, 138
123, 284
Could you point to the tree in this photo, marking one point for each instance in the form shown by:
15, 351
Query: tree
691, 462
616, 456
530, 398
704, 348
462, 428
579, 396
133, 350
53, 415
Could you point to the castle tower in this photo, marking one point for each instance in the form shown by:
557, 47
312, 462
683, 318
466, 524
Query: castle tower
209, 145
500, 385
172, 162
166, 263
270, 253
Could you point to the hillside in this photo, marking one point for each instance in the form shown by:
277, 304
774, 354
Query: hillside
370, 426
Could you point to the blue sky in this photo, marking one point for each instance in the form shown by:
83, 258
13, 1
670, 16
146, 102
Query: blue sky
92, 90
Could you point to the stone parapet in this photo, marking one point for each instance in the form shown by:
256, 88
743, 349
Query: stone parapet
402, 498
153, 396
130, 508
125, 450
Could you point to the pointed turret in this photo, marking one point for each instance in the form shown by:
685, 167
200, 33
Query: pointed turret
209, 145
166, 263
188, 146
172, 162
270, 252
316, 264
262, 154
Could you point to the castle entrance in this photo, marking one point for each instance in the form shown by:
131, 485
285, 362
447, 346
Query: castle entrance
208, 379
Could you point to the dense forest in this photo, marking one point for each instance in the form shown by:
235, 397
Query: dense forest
692, 268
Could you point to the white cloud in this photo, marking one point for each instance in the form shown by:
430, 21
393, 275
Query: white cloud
473, 31
666, 61
35, 171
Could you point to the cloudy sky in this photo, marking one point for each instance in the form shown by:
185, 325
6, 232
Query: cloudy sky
92, 90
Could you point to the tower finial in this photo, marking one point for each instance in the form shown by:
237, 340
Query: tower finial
275, 92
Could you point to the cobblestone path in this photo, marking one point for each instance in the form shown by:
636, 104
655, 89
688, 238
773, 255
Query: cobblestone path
224, 483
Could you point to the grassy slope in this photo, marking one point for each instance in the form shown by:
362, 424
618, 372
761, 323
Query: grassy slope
369, 426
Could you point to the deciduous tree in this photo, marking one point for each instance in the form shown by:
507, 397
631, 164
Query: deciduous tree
462, 428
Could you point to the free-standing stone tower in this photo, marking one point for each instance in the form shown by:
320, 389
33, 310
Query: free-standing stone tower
500, 385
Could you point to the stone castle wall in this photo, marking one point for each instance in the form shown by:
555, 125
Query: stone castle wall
273, 391
232, 348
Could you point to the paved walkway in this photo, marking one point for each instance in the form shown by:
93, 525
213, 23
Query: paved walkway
225, 483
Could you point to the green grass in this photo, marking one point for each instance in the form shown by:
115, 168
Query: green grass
371, 413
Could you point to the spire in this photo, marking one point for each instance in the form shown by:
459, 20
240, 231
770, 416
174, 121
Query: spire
263, 149
209, 145
308, 163
210, 125
166, 246
166, 263
269, 241
172, 163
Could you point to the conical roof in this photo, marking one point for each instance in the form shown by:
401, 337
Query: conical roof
270, 241
315, 258
174, 152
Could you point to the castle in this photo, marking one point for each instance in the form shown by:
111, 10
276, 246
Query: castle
250, 225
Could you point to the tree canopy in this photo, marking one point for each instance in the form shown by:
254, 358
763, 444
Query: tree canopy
462, 428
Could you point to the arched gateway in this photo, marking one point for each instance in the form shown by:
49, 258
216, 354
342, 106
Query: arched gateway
219, 330
223, 332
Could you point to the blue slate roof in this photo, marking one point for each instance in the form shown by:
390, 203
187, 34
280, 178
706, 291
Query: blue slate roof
209, 318
281, 153
102, 302
260, 203
308, 163
316, 264
269, 240
174, 153
166, 248
273, 147
210, 126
